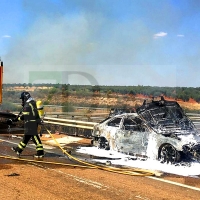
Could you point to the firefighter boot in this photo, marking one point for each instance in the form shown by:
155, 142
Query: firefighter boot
39, 155
15, 149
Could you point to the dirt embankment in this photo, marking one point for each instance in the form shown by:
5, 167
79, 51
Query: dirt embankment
119, 101
99, 100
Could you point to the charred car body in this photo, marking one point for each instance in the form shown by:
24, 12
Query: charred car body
158, 130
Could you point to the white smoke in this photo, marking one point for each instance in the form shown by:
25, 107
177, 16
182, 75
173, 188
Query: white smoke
103, 39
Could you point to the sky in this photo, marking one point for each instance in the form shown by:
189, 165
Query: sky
101, 42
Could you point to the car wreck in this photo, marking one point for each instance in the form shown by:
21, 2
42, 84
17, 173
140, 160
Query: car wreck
157, 130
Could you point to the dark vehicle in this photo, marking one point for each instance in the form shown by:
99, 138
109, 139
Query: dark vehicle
5, 116
158, 130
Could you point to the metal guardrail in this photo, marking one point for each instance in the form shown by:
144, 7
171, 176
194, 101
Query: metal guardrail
195, 118
70, 123
95, 117
76, 113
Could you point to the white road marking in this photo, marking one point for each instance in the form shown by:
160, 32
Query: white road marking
83, 180
174, 183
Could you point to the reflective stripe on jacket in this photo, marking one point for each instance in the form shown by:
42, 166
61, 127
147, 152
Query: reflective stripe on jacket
29, 112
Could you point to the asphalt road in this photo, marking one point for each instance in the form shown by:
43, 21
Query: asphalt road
27, 180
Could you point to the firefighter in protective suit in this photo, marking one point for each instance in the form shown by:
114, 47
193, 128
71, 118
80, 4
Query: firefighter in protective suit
31, 118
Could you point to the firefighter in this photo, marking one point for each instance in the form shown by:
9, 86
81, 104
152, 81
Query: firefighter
31, 118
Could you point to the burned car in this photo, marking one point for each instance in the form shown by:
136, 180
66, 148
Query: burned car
158, 130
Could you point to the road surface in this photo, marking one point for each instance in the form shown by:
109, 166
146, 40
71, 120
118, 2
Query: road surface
27, 180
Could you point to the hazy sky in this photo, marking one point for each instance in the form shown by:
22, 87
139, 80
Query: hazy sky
105, 42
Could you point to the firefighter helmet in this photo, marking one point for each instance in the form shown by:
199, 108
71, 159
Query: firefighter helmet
25, 96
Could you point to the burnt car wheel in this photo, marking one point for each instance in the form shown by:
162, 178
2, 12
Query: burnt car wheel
103, 143
168, 153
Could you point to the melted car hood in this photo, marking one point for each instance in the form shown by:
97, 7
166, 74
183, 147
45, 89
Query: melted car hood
166, 117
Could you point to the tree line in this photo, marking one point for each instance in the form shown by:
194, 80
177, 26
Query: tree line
184, 93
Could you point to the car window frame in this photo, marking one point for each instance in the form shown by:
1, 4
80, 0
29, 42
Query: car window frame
113, 119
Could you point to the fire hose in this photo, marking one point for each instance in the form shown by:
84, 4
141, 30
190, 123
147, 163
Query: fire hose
83, 164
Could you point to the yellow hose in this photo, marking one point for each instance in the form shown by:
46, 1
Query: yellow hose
125, 171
